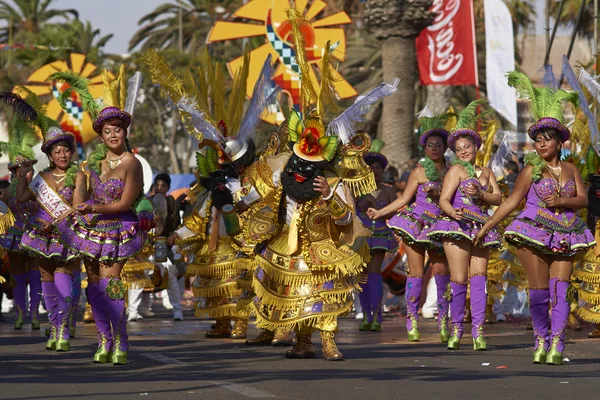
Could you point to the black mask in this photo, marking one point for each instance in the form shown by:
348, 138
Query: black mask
221, 195
299, 176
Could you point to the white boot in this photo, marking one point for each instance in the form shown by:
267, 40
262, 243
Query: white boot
430, 307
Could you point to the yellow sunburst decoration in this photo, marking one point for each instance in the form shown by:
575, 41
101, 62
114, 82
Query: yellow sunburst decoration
271, 22
74, 120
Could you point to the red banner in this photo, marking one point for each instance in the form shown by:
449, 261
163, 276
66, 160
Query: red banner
446, 49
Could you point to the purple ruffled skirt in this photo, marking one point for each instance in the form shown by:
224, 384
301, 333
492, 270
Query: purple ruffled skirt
529, 233
11, 240
383, 239
115, 237
464, 229
413, 228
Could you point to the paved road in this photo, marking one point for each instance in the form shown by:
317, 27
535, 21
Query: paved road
173, 360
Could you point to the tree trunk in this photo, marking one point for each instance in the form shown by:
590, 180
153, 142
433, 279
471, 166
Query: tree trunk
438, 98
397, 131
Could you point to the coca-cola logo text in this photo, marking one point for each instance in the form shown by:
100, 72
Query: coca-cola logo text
445, 61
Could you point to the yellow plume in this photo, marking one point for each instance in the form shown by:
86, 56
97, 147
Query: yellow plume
308, 94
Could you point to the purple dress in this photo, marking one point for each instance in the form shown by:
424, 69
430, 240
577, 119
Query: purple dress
103, 237
549, 230
47, 244
383, 237
11, 240
415, 221
475, 215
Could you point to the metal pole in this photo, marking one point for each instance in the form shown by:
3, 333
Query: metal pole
595, 43
547, 26
560, 10
573, 36
180, 30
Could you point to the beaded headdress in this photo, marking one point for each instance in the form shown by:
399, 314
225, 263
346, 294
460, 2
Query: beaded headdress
465, 124
55, 135
546, 104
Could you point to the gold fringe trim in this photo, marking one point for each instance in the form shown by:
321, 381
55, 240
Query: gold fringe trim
7, 221
228, 290
592, 298
137, 266
314, 321
363, 185
587, 276
138, 283
291, 303
226, 311
243, 263
588, 316
244, 284
352, 266
519, 272
213, 270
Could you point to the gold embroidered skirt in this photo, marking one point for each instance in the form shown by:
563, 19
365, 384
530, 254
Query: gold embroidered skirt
587, 275
215, 286
135, 272
307, 291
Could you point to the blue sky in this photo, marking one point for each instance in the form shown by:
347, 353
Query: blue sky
121, 16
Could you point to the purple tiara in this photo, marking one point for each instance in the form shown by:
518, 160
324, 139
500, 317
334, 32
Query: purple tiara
55, 135
464, 132
108, 113
437, 131
546, 123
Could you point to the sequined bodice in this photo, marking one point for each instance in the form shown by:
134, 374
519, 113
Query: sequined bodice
464, 200
67, 194
548, 187
423, 201
105, 192
368, 201
22, 211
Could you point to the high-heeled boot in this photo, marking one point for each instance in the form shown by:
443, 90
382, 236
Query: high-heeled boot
365, 304
478, 306
539, 302
376, 299
35, 297
413, 295
458, 292
64, 287
117, 312
51, 300
442, 283
97, 297
75, 302
560, 316
19, 284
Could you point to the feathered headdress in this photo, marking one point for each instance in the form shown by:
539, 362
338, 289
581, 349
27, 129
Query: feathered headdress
315, 138
79, 85
225, 123
21, 136
546, 104
465, 124
431, 124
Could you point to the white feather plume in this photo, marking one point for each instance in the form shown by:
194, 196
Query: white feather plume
133, 89
188, 106
425, 113
264, 95
343, 125
504, 153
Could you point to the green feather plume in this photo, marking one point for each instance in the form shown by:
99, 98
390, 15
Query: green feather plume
376, 146
431, 171
545, 102
538, 164
467, 117
467, 165
21, 139
79, 85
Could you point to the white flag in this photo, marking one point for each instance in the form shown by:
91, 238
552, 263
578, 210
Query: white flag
500, 59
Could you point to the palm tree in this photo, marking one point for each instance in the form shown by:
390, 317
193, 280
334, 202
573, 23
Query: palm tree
523, 19
29, 16
570, 13
397, 23
180, 23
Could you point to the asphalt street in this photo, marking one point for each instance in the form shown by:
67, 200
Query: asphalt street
173, 360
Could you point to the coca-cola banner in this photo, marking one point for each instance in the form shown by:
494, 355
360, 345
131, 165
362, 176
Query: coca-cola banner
446, 49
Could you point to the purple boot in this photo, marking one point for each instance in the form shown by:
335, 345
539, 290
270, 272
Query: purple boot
19, 290
376, 299
76, 295
365, 304
64, 286
413, 295
478, 304
457, 312
560, 315
35, 297
539, 300
96, 292
115, 303
442, 283
51, 300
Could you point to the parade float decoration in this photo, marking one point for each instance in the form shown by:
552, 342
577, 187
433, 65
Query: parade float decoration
74, 120
268, 18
